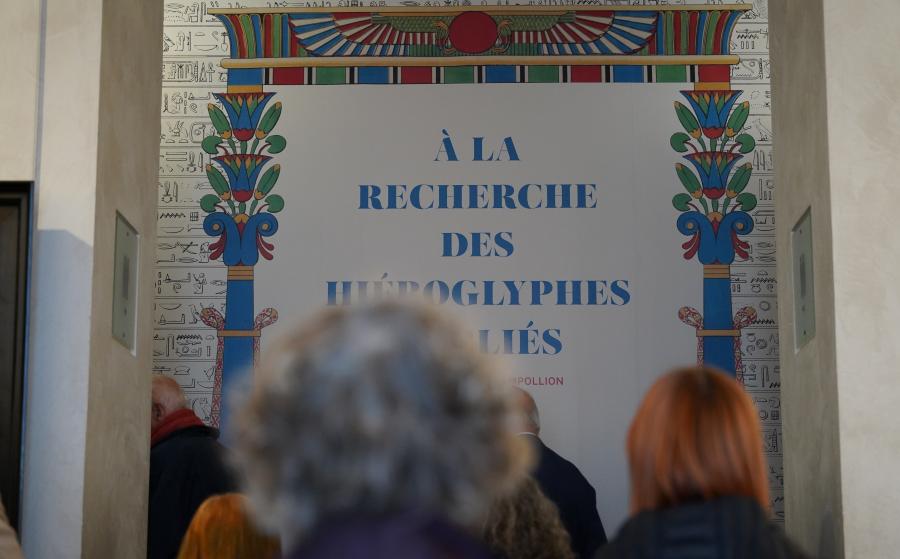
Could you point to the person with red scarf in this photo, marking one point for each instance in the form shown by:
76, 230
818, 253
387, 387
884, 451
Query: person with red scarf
186, 467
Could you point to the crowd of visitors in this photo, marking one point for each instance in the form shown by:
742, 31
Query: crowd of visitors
380, 432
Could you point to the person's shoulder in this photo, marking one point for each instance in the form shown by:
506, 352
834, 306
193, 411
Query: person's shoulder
425, 537
199, 440
616, 550
562, 465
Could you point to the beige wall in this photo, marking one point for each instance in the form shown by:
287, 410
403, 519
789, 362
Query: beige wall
863, 133
87, 423
836, 92
812, 471
19, 58
118, 422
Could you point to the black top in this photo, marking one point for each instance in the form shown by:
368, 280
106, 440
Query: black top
404, 535
725, 528
185, 469
573, 495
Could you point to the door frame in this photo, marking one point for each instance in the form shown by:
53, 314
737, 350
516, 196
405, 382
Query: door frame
12, 373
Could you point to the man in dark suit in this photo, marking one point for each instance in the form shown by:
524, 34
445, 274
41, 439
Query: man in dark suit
563, 484
186, 467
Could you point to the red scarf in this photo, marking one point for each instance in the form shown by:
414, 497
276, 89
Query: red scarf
175, 421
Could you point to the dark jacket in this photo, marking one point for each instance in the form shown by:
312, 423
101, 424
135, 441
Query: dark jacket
726, 528
185, 469
573, 495
396, 536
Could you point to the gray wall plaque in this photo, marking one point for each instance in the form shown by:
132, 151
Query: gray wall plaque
804, 293
125, 275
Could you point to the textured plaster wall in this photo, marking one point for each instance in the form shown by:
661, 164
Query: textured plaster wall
837, 118
19, 58
808, 376
87, 414
118, 421
863, 132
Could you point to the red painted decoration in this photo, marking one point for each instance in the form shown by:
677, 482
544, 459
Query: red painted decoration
473, 32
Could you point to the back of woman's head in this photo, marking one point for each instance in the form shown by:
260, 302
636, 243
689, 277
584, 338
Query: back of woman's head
695, 437
222, 529
377, 409
526, 525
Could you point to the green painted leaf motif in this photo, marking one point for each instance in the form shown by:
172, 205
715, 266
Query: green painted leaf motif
208, 203
688, 178
218, 118
242, 207
681, 201
747, 143
276, 143
686, 118
740, 178
747, 201
217, 180
211, 144
738, 117
679, 142
269, 120
268, 180
276, 203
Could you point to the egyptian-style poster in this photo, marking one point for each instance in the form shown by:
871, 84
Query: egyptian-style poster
587, 185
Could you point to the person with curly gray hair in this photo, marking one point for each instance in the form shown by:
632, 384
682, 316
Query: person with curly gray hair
379, 432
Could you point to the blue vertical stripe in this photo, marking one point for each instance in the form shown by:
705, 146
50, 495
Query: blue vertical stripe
500, 74
257, 36
701, 33
660, 38
232, 39
628, 74
287, 36
373, 75
726, 35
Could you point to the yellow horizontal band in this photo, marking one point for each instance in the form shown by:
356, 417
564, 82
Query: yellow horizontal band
244, 89
574, 60
239, 333
720, 333
240, 268
716, 268
712, 86
402, 10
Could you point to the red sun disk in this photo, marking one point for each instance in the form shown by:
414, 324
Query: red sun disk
473, 32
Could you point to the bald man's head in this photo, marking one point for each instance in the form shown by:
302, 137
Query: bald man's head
166, 397
530, 418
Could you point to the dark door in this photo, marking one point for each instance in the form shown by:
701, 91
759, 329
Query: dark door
14, 237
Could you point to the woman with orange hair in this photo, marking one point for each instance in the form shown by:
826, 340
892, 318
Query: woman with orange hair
698, 476
222, 529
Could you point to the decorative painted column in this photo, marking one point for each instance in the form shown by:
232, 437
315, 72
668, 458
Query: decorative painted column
241, 215
715, 213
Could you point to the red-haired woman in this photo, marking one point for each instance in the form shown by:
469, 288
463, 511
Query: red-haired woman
222, 529
698, 475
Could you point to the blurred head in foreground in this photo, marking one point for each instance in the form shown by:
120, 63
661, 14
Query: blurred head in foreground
222, 529
526, 525
375, 410
696, 437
